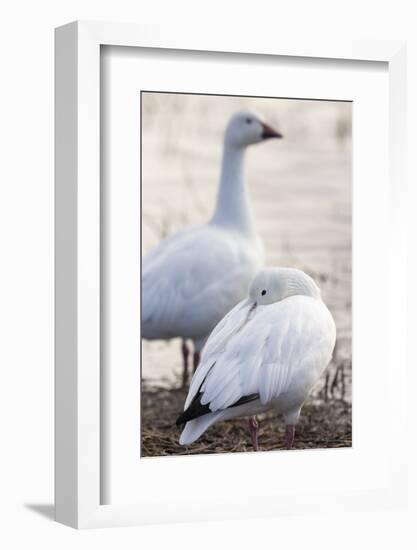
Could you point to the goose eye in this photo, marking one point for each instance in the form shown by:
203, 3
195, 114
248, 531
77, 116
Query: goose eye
263, 292
248, 121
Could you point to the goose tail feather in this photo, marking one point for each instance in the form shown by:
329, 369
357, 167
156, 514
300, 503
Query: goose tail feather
195, 428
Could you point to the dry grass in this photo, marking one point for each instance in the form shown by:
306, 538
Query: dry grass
322, 424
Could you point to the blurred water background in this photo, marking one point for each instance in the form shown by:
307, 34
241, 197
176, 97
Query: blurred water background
300, 189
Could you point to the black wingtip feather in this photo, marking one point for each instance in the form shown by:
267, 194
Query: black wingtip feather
196, 409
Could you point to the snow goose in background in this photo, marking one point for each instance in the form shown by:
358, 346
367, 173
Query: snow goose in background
267, 353
193, 278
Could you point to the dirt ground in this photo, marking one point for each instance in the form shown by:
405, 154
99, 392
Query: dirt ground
325, 422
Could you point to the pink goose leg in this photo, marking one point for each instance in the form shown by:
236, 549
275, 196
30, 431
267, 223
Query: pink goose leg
289, 436
185, 354
253, 429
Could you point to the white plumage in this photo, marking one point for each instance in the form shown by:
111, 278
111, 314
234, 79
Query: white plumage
193, 278
267, 353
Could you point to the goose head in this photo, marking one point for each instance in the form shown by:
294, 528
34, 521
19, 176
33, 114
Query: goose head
275, 284
246, 129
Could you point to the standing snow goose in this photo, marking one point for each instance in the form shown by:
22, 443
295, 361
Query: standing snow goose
193, 278
267, 353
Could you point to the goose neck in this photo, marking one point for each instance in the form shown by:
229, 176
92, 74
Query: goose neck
232, 206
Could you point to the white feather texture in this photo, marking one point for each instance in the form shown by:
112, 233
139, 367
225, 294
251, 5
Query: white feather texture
273, 347
193, 278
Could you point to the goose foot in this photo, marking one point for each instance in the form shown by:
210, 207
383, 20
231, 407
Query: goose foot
185, 354
253, 430
289, 436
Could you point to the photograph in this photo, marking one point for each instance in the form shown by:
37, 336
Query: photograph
246, 274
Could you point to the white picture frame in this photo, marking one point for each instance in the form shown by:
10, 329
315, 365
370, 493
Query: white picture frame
78, 405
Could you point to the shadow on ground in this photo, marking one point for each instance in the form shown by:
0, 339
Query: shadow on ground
45, 510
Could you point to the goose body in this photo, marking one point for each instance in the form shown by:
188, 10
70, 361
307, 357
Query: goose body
267, 353
193, 278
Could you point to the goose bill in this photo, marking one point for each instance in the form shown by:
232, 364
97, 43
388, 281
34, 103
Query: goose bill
268, 132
